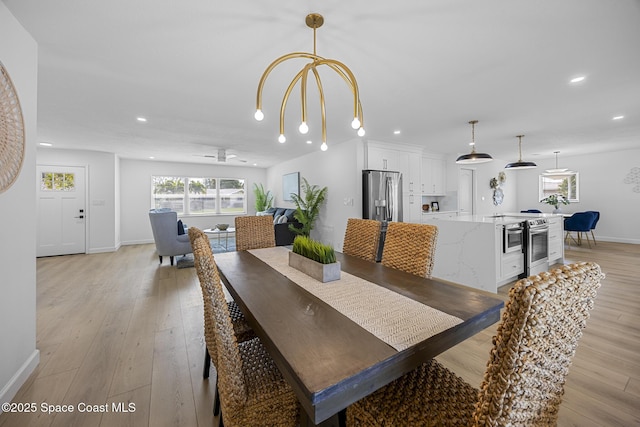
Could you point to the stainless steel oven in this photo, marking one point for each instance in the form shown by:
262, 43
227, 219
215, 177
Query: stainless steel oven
537, 246
513, 237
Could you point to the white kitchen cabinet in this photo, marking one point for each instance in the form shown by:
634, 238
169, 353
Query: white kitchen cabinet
410, 167
556, 240
433, 176
383, 159
511, 265
411, 207
438, 215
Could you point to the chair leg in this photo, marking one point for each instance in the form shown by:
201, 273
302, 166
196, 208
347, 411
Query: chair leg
207, 364
160, 256
594, 238
171, 258
570, 237
216, 404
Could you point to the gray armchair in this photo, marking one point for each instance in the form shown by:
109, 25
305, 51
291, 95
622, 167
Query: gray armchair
164, 224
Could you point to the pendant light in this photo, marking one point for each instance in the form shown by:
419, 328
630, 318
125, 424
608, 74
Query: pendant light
473, 157
556, 170
520, 164
313, 21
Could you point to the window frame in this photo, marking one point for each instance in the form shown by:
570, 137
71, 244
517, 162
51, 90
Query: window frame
186, 198
572, 198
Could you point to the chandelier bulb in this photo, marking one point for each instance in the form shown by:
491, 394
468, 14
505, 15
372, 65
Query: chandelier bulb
355, 124
324, 146
361, 132
282, 138
259, 115
303, 128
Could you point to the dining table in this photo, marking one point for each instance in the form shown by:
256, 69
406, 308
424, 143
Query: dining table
339, 341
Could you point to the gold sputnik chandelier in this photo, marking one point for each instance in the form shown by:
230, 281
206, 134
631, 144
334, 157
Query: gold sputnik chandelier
314, 21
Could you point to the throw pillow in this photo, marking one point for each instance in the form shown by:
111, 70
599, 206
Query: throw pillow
282, 219
276, 218
180, 227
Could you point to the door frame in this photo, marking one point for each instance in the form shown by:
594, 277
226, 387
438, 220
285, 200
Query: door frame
474, 188
87, 216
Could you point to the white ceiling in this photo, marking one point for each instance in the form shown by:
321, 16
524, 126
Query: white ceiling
426, 67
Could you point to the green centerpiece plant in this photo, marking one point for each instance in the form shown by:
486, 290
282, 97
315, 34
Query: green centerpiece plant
315, 259
312, 249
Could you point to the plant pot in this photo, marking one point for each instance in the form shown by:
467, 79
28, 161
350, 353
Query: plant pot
321, 272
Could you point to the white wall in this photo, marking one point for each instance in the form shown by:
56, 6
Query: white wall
602, 188
340, 170
135, 193
102, 202
18, 353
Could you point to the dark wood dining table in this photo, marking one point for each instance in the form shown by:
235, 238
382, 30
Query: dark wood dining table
329, 360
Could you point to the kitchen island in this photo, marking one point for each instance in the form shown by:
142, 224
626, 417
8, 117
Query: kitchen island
470, 249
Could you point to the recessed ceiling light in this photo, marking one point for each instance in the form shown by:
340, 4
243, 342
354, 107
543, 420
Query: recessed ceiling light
618, 118
151, 157
255, 164
577, 79
396, 132
46, 144
309, 141
141, 119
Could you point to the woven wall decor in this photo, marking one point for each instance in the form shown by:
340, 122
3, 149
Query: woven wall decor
11, 132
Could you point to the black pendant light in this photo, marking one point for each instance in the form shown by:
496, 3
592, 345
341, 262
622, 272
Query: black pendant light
520, 164
473, 157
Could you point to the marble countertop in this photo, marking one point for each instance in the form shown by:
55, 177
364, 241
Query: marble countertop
506, 218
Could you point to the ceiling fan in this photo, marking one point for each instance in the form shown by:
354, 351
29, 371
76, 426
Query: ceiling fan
223, 157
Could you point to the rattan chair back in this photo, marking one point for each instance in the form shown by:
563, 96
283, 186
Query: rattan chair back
201, 255
361, 238
410, 247
254, 232
524, 381
252, 389
535, 344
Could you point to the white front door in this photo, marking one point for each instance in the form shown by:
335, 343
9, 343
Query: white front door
466, 205
62, 213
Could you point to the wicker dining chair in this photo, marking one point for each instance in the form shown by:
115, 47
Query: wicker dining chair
254, 232
361, 238
524, 381
241, 328
252, 390
410, 247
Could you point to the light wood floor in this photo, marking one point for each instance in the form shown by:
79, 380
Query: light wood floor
117, 327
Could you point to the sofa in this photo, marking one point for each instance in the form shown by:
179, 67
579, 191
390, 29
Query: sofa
282, 218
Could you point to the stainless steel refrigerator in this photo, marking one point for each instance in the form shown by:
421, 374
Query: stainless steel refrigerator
381, 195
382, 199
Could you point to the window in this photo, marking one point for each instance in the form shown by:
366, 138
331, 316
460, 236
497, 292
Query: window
566, 184
57, 181
199, 196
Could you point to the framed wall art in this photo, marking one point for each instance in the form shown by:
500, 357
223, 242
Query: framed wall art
290, 184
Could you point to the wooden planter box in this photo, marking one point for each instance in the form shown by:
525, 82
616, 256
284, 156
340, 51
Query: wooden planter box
321, 272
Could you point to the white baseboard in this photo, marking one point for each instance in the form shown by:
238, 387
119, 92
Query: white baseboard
137, 242
9, 391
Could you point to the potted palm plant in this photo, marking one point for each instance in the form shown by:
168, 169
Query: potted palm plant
307, 207
555, 200
315, 259
264, 199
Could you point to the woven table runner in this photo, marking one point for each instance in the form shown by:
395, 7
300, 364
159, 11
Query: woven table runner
393, 318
